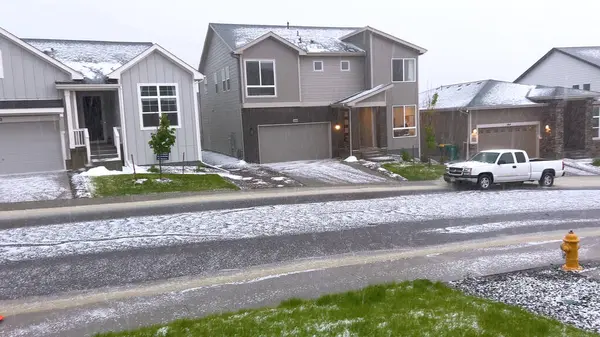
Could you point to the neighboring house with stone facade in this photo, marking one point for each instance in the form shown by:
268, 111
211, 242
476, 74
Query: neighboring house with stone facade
67, 104
552, 122
282, 93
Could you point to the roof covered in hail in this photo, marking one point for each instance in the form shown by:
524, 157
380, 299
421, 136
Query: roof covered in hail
361, 95
309, 39
589, 54
490, 93
94, 59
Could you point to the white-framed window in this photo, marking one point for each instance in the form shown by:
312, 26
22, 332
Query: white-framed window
260, 78
317, 65
223, 84
404, 121
596, 122
345, 65
1, 66
404, 70
587, 86
205, 86
227, 79
216, 78
157, 100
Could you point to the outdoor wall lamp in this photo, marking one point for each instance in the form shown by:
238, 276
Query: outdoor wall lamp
474, 136
337, 127
548, 128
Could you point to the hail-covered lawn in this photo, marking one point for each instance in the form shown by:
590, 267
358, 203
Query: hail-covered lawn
417, 308
127, 184
416, 171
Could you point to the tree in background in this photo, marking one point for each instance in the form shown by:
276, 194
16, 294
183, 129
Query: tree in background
162, 140
430, 141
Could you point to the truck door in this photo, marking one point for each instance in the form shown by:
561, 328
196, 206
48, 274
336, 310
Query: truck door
506, 169
523, 170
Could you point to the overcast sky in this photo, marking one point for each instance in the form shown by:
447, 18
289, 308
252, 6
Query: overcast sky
467, 39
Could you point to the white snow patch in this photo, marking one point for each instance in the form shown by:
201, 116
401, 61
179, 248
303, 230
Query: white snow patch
34, 187
498, 226
162, 331
278, 178
141, 181
351, 159
154, 231
221, 160
327, 171
582, 165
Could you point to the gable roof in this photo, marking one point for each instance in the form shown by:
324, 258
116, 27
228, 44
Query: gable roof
589, 55
492, 94
94, 59
362, 95
116, 73
75, 75
421, 50
272, 36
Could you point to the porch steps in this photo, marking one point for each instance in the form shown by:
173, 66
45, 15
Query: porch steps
576, 154
102, 152
374, 154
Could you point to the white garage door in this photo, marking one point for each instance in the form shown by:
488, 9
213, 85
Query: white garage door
510, 137
290, 142
27, 147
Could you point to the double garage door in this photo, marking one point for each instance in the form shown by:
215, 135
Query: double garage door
30, 146
510, 137
290, 142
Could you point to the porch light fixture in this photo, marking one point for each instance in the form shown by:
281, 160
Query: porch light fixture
337, 127
474, 134
548, 128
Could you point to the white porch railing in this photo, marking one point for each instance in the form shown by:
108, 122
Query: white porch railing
117, 140
81, 138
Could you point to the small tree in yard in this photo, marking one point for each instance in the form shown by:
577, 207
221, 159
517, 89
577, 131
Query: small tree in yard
429, 131
162, 140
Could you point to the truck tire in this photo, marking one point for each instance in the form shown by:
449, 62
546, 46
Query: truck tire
547, 179
484, 182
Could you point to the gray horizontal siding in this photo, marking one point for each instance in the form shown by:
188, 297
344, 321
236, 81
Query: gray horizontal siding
27, 76
331, 84
221, 111
156, 68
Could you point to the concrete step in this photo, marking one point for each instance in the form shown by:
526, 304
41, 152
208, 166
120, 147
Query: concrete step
104, 156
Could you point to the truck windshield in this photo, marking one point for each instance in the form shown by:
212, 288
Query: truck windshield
485, 157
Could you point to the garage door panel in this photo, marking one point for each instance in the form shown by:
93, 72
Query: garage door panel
517, 137
280, 143
30, 147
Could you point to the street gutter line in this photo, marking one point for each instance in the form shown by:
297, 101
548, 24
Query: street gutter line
41, 304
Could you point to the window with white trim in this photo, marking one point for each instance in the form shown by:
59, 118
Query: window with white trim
596, 122
227, 79
215, 77
260, 78
223, 84
157, 100
317, 65
205, 86
1, 66
345, 65
404, 123
404, 70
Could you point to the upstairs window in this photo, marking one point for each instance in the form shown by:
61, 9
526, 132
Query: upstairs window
404, 121
576, 86
587, 86
596, 122
317, 65
345, 65
260, 78
404, 70
216, 78
227, 79
157, 100
224, 84
205, 86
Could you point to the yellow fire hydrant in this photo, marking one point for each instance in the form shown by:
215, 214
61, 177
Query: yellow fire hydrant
570, 247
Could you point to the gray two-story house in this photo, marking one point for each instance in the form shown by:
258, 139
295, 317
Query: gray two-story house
67, 104
284, 93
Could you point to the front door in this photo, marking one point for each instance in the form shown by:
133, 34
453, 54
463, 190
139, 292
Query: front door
92, 112
366, 127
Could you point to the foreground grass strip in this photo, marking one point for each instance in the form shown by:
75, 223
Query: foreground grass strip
419, 308
416, 172
148, 183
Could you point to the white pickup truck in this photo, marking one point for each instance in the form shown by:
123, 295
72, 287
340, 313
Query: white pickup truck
504, 166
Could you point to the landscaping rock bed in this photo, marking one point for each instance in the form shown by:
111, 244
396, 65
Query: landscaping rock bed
572, 298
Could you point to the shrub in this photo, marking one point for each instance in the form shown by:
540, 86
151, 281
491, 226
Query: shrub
153, 169
406, 156
596, 162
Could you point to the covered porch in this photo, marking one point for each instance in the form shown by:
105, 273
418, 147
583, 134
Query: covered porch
364, 119
93, 117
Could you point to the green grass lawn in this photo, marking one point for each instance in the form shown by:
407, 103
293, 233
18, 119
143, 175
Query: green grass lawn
419, 308
125, 184
416, 172
596, 162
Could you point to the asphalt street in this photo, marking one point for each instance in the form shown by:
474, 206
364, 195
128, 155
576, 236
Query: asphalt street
83, 272
126, 308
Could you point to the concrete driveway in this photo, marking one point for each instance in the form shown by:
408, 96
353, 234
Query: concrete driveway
326, 172
34, 187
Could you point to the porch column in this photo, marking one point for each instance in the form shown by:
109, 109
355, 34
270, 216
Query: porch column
69, 113
552, 142
75, 110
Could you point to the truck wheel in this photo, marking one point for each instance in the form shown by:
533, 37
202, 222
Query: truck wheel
547, 179
484, 182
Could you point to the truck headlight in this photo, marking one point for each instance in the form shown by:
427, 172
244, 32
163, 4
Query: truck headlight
466, 171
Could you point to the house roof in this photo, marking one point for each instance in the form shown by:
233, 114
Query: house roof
497, 94
75, 75
362, 95
309, 39
589, 55
94, 59
421, 50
